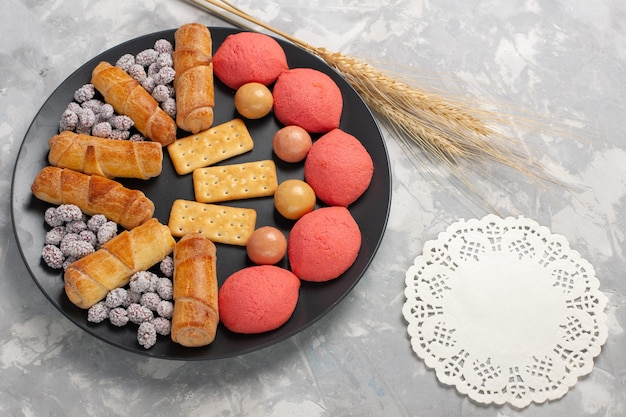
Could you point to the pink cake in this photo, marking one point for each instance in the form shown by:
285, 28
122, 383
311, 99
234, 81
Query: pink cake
307, 98
323, 244
247, 57
338, 168
258, 299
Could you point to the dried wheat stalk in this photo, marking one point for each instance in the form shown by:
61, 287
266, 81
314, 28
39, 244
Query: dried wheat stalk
449, 132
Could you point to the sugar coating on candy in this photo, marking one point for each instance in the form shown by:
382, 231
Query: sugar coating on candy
165, 309
116, 297
68, 261
107, 232
146, 57
145, 307
89, 236
164, 288
165, 75
143, 281
169, 107
132, 297
167, 266
137, 71
154, 281
76, 248
55, 235
52, 218
139, 314
161, 93
164, 60
162, 326
152, 69
75, 227
121, 122
117, 134
94, 105
150, 300
84, 93
136, 138
149, 82
118, 316
70, 235
102, 129
69, 212
73, 107
146, 335
69, 121
98, 312
96, 221
106, 112
86, 119
125, 62
52, 256
163, 46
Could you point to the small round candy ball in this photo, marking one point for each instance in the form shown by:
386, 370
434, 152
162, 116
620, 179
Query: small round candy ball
253, 100
294, 198
291, 143
266, 246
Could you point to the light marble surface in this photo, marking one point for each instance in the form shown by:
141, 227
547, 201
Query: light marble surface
559, 59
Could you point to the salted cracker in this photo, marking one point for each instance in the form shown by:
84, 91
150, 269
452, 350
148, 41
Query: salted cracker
220, 224
235, 182
210, 146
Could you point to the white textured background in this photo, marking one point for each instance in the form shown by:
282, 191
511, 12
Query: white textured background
562, 60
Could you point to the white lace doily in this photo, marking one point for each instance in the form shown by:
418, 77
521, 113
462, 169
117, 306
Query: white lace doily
505, 311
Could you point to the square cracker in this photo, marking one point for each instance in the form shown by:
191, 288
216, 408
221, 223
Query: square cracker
235, 182
223, 224
210, 146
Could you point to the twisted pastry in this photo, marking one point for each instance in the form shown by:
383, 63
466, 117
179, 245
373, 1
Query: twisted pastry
93, 194
196, 314
128, 97
193, 63
89, 279
105, 157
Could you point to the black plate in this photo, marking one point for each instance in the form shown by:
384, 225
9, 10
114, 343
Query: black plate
370, 211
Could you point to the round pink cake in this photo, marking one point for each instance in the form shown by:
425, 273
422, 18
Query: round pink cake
258, 299
323, 244
247, 57
307, 98
338, 168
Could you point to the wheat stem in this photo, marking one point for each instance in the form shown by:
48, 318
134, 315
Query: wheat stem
447, 131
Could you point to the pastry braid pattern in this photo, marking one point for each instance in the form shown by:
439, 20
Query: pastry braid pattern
89, 279
196, 313
93, 194
106, 157
128, 97
193, 82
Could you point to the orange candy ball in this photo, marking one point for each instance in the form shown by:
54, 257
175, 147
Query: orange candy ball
266, 246
294, 198
292, 143
253, 100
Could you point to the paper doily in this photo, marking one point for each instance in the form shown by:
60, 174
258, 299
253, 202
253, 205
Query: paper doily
505, 311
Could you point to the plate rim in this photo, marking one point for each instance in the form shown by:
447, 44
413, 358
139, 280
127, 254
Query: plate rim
147, 353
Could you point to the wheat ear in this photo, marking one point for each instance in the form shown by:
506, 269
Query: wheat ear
448, 131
